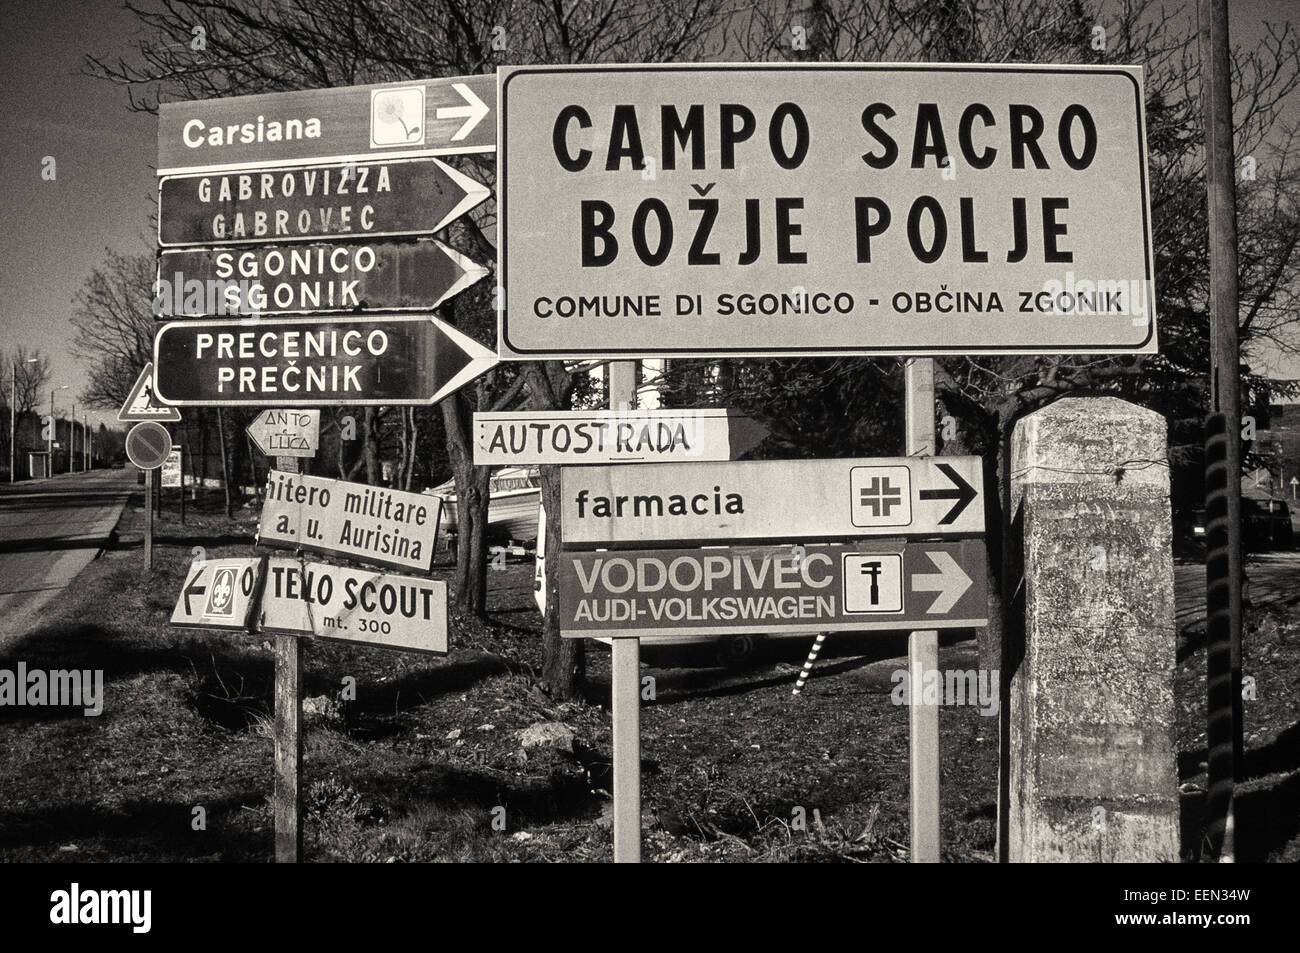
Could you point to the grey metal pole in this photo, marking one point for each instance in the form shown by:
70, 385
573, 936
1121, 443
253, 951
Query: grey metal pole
13, 422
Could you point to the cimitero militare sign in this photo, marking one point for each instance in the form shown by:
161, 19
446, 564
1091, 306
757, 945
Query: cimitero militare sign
423, 117
370, 524
882, 584
822, 209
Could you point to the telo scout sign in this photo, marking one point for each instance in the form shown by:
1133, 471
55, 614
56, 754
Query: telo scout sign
780, 210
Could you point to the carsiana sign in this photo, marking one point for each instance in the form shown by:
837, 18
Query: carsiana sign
360, 200
884, 584
418, 118
816, 209
608, 436
355, 605
288, 279
367, 523
771, 500
285, 362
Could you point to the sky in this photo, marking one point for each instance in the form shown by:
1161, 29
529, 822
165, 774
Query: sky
53, 233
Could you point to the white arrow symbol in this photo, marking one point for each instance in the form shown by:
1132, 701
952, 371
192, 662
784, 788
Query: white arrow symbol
472, 113
950, 582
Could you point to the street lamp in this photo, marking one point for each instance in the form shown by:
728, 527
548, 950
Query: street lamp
13, 416
53, 426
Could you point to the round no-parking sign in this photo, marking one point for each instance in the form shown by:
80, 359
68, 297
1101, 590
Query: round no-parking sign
148, 444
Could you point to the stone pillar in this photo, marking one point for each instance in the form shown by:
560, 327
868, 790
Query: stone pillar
1093, 773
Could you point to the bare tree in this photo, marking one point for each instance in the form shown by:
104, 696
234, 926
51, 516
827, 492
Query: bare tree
115, 324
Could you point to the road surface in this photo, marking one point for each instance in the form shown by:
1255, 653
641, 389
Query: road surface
1274, 577
49, 531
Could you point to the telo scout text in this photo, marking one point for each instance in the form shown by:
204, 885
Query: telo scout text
1018, 138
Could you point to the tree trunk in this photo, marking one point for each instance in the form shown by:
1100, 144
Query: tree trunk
472, 499
563, 660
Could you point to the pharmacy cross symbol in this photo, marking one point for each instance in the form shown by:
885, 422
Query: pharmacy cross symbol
880, 494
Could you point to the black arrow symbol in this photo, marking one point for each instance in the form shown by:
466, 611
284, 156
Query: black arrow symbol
961, 491
193, 590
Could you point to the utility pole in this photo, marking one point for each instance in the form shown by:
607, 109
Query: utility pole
72, 437
13, 421
50, 438
1223, 565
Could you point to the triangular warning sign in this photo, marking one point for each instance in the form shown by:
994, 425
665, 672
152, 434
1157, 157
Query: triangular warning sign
140, 404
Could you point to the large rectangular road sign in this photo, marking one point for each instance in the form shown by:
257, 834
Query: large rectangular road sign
814, 209
795, 500
371, 524
361, 200
425, 117
887, 584
527, 438
310, 278
292, 362
355, 605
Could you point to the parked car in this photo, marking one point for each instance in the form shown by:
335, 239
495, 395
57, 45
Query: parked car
1265, 524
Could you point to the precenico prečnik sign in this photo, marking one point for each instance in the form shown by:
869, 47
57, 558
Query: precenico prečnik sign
815, 209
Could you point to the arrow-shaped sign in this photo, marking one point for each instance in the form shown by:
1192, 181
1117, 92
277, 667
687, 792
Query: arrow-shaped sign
221, 594
354, 200
961, 491
292, 362
374, 276
423, 117
950, 581
472, 112
287, 432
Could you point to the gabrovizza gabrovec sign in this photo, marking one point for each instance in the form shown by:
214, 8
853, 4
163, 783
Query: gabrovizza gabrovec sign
751, 209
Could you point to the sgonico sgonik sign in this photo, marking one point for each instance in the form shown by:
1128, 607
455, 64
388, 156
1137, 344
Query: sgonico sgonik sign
886, 584
287, 362
355, 605
310, 278
526, 438
356, 200
371, 524
817, 209
424, 117
797, 500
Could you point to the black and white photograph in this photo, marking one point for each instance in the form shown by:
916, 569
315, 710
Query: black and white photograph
512, 432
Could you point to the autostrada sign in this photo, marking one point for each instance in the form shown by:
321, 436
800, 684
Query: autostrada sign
883, 584
816, 209
359, 200
287, 362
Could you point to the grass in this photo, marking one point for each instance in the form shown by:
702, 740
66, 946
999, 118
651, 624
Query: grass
427, 763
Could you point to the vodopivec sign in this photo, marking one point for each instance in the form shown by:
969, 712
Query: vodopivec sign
527, 438
286, 362
424, 117
355, 605
798, 500
815, 209
310, 278
371, 524
884, 584
361, 200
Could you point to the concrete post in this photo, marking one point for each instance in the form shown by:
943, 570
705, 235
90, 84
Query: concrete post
1093, 774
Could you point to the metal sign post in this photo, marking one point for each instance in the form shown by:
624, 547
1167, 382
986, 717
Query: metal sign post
922, 645
625, 687
287, 795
